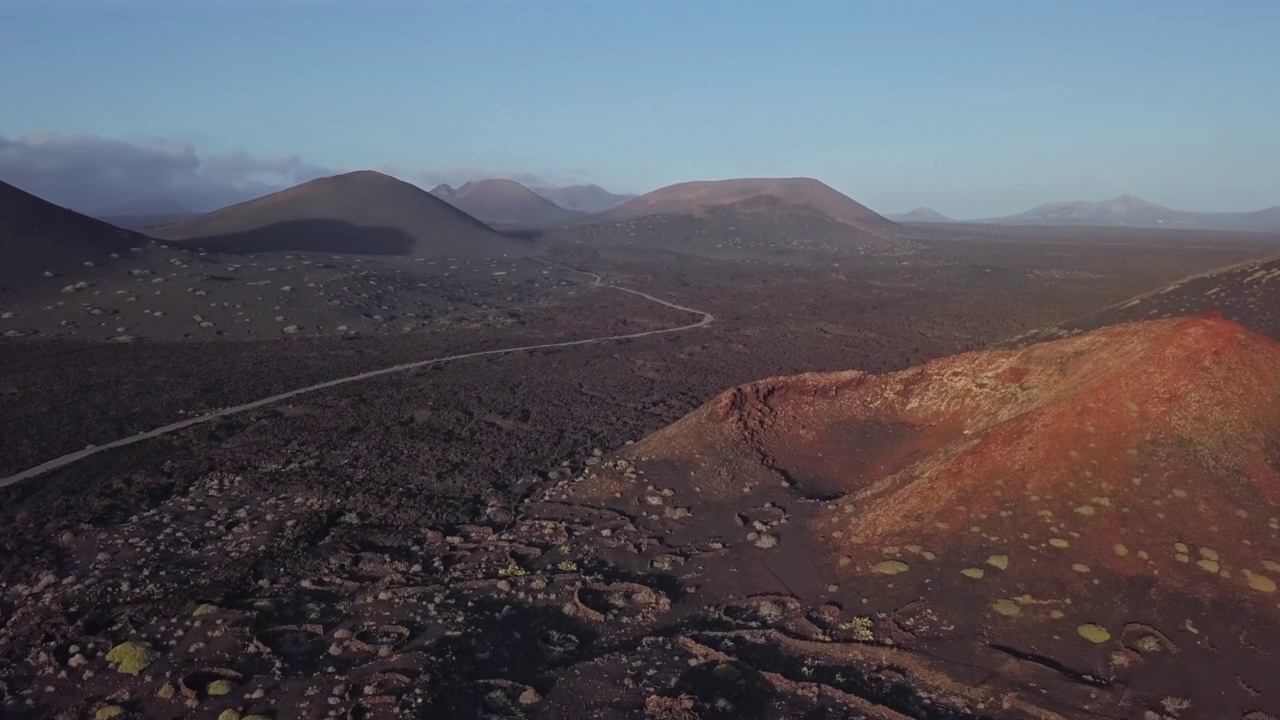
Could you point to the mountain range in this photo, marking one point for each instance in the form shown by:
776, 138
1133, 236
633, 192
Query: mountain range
1130, 211
503, 202
583, 198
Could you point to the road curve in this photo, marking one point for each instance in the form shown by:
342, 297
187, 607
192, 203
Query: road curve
596, 280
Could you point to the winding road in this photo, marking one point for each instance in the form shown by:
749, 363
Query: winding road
596, 281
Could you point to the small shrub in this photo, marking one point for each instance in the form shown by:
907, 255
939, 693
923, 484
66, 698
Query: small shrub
219, 687
131, 658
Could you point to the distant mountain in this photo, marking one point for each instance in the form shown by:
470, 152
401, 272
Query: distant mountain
779, 220
503, 202
361, 213
583, 198
921, 214
1130, 211
693, 197
37, 236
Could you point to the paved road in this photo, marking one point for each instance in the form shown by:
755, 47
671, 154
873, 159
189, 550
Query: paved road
596, 280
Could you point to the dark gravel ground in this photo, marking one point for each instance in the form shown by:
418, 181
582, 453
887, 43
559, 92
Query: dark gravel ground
369, 550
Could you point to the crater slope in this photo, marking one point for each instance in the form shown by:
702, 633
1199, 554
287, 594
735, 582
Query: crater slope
1095, 520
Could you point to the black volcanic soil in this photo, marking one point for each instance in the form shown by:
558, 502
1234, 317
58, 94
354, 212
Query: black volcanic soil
1248, 293
373, 550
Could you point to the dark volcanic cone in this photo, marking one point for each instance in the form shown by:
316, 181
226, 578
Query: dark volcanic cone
37, 236
362, 213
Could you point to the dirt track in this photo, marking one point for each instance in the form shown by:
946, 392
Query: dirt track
70, 458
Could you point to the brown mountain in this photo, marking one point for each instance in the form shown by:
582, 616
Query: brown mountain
362, 213
38, 236
504, 202
1081, 528
694, 197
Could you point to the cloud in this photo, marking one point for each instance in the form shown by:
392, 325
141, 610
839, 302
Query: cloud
96, 174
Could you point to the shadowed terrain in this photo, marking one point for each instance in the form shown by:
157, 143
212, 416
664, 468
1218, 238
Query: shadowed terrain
38, 237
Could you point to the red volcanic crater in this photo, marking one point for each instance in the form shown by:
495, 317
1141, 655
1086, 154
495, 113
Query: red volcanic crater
1106, 505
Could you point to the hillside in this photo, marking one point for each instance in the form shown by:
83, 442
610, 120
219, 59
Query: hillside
921, 214
361, 213
697, 197
1248, 293
761, 227
1092, 520
583, 198
503, 202
1130, 211
37, 236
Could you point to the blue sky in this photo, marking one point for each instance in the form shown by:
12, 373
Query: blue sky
975, 108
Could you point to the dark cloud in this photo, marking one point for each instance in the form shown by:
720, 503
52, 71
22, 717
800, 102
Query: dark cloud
96, 174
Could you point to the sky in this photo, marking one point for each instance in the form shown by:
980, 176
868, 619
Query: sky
975, 108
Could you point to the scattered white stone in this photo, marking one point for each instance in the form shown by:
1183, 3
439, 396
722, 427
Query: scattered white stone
290, 329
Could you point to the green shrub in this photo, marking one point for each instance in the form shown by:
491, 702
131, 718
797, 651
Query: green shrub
131, 657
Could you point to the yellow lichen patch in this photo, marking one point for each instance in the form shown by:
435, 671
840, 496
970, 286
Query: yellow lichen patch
1058, 542
914, 549
1208, 565
131, 658
1179, 493
892, 550
1080, 568
1085, 510
1008, 608
999, 561
891, 567
1271, 565
1182, 557
1056, 614
1046, 514
928, 555
1181, 547
942, 526
1209, 554
975, 573
1120, 549
1261, 583
1093, 633
1101, 501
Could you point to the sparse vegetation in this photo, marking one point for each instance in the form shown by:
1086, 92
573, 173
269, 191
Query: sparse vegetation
131, 658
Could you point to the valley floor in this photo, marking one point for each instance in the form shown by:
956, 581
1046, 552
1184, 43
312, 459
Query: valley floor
403, 546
